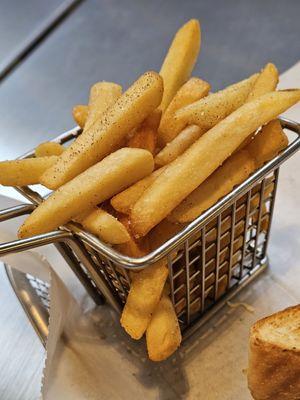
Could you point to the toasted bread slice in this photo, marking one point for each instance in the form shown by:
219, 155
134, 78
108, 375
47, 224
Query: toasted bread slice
274, 356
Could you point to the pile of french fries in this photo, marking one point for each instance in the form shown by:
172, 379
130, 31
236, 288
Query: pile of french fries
161, 153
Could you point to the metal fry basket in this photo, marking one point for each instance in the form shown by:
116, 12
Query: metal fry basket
209, 260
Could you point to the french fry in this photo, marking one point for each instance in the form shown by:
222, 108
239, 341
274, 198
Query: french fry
145, 289
104, 225
210, 110
191, 133
178, 145
180, 60
153, 119
190, 169
162, 232
194, 89
266, 82
124, 201
102, 96
163, 334
101, 181
143, 297
98, 221
80, 113
234, 171
107, 133
144, 138
48, 149
24, 172
266, 144
133, 247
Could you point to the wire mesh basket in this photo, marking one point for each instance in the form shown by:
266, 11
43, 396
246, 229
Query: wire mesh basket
209, 260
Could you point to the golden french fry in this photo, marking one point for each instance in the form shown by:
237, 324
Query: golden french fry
144, 138
163, 334
48, 149
24, 172
268, 143
180, 60
124, 201
162, 232
101, 181
145, 289
80, 113
190, 134
104, 225
97, 221
190, 169
153, 119
107, 133
266, 82
234, 171
102, 96
143, 297
194, 89
245, 142
265, 145
210, 110
133, 247
178, 145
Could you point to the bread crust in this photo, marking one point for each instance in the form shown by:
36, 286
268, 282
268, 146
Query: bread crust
274, 370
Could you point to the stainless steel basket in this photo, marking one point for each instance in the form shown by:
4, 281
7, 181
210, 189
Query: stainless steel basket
209, 261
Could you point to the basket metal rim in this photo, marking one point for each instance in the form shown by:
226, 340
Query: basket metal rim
178, 239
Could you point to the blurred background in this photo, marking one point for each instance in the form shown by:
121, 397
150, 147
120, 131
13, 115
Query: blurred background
52, 51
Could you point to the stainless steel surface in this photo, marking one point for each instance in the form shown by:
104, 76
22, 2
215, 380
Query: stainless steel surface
34, 297
199, 278
14, 28
36, 37
117, 41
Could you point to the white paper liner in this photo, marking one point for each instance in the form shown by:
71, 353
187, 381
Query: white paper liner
82, 360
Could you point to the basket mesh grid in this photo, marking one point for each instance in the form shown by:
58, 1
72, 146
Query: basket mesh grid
218, 259
41, 288
212, 262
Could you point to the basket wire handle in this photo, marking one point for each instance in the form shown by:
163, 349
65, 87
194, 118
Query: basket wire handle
63, 240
